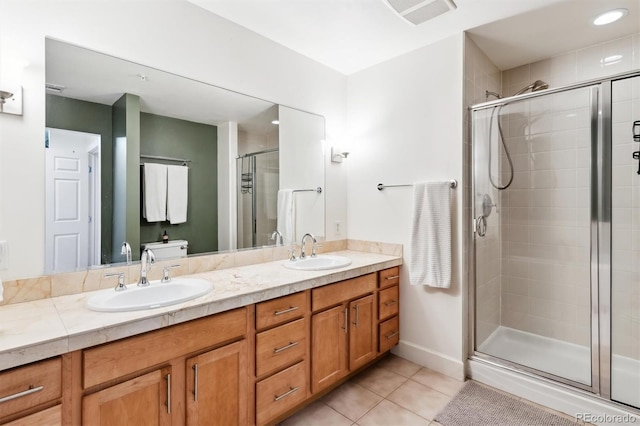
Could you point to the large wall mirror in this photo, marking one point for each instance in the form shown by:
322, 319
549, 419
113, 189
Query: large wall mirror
133, 153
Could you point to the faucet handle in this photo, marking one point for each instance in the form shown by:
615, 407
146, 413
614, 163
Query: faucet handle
165, 273
315, 247
121, 285
292, 253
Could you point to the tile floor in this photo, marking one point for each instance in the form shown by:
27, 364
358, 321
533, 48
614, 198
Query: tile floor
392, 392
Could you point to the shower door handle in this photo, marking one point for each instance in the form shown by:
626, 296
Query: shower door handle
481, 226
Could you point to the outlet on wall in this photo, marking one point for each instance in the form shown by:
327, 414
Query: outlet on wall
4, 255
338, 227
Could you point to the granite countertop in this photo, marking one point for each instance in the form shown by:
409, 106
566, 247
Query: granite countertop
40, 329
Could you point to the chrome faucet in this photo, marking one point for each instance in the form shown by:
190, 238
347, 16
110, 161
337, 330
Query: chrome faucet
313, 249
275, 236
126, 250
147, 258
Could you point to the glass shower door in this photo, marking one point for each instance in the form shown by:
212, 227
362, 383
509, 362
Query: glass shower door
625, 242
532, 201
258, 184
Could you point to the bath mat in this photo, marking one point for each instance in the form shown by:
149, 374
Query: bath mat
476, 405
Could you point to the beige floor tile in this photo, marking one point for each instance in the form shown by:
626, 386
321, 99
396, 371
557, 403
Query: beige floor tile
420, 399
317, 414
351, 400
387, 413
399, 365
379, 380
438, 381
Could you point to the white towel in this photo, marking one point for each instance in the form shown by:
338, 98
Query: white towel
177, 193
286, 215
430, 262
154, 188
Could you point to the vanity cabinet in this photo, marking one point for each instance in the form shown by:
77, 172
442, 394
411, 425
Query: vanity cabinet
343, 329
388, 308
144, 400
189, 373
27, 394
282, 355
217, 386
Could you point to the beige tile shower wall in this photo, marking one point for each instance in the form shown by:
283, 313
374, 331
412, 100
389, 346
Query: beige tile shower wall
481, 75
545, 227
545, 233
625, 294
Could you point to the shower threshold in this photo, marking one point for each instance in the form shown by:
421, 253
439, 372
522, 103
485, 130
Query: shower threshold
562, 359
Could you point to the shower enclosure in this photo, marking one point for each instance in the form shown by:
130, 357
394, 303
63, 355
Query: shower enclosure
258, 184
556, 239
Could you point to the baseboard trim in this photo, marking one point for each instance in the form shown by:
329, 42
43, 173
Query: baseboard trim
431, 359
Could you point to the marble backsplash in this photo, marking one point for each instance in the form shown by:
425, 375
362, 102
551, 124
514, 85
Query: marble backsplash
46, 286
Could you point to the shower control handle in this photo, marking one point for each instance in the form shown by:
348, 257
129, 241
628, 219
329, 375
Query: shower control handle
481, 225
636, 156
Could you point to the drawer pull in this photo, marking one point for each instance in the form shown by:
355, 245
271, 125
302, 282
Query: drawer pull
284, 348
346, 313
392, 335
285, 311
29, 391
355, 323
168, 379
195, 382
391, 303
393, 277
286, 394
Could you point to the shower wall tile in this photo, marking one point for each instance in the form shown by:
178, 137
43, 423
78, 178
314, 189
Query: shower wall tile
482, 75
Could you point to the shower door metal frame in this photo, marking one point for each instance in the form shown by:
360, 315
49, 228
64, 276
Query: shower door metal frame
600, 265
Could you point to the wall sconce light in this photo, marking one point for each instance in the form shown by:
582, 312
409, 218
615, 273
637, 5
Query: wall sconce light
337, 154
11, 101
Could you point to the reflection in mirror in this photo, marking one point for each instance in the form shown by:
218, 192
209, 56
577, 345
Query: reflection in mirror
133, 153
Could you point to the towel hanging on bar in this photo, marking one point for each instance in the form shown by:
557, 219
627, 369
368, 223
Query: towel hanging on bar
430, 261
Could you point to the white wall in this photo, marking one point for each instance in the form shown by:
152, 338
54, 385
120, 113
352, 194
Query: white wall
171, 35
405, 123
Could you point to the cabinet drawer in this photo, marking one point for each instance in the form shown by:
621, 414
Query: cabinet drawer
389, 334
280, 346
280, 392
388, 302
333, 294
126, 356
29, 386
389, 277
49, 417
281, 310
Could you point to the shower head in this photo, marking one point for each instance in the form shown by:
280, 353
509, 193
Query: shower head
534, 87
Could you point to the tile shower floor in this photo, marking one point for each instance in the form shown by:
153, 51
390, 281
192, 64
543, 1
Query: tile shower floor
392, 392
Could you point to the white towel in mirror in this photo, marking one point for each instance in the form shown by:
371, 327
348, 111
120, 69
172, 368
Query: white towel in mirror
177, 193
286, 215
154, 189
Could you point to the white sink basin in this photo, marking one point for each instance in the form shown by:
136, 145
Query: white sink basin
156, 295
318, 263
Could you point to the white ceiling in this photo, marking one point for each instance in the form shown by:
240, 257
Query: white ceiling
351, 35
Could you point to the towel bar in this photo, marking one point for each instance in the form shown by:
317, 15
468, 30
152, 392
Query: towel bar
453, 183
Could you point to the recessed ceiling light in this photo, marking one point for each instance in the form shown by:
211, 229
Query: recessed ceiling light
610, 16
275, 122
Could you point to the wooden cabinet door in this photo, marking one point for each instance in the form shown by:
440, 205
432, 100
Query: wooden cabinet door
140, 401
328, 347
217, 386
362, 333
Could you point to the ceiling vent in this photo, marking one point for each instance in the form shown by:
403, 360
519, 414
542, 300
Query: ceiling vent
420, 11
